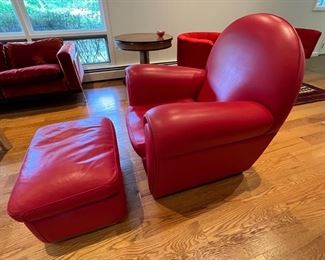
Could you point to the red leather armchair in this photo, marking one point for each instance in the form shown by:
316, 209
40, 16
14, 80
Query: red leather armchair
193, 48
309, 39
40, 67
193, 126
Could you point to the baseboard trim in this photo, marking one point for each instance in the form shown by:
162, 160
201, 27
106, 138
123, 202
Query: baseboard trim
103, 75
117, 72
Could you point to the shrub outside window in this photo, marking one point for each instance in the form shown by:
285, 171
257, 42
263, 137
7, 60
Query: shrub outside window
80, 21
9, 22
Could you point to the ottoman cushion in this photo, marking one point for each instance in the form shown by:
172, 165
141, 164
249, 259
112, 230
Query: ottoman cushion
69, 166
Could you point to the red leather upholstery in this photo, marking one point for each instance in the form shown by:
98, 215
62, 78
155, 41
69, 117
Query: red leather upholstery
309, 39
236, 121
135, 121
70, 181
238, 69
32, 74
71, 65
23, 54
149, 84
238, 104
3, 65
34, 68
193, 48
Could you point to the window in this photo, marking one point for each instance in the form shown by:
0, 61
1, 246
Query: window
9, 22
80, 21
320, 5
48, 15
93, 51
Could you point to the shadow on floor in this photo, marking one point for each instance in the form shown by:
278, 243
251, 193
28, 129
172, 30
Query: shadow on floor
194, 202
41, 104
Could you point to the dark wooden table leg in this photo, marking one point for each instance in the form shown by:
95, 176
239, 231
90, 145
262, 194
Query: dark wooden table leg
144, 57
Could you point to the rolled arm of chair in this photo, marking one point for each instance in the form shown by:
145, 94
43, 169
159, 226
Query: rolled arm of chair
178, 129
70, 65
153, 84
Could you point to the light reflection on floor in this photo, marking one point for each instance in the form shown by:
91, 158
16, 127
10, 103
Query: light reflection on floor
109, 102
103, 99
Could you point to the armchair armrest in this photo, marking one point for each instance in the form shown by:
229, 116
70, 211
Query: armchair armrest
177, 129
153, 84
70, 65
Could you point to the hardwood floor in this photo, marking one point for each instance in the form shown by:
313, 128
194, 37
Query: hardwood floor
275, 210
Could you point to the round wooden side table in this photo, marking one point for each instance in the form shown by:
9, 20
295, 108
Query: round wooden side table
143, 42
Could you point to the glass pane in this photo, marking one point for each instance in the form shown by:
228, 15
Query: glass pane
8, 22
92, 51
48, 15
320, 3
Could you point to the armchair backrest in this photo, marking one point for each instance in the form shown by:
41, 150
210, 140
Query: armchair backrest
193, 48
209, 36
309, 39
257, 58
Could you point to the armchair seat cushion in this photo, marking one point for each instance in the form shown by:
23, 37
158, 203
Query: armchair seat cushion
39, 73
135, 125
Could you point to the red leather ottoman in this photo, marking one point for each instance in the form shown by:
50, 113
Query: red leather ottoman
70, 181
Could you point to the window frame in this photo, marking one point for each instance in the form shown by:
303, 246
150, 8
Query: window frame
87, 37
28, 33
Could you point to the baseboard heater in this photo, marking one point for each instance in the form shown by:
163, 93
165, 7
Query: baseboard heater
117, 72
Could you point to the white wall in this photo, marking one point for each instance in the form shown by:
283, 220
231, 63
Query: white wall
176, 16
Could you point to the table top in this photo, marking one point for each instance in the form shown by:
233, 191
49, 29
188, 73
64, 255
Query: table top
142, 38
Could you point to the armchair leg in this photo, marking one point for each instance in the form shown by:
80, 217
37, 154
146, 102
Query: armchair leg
4, 142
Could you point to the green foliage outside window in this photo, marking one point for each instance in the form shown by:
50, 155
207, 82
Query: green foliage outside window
47, 15
8, 20
57, 15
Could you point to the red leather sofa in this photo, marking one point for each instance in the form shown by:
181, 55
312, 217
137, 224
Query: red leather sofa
40, 67
309, 39
193, 126
193, 48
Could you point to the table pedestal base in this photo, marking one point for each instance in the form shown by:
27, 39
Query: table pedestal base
144, 57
